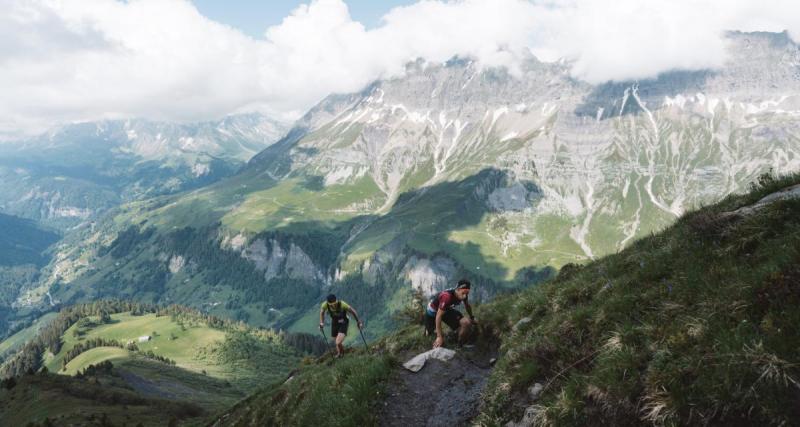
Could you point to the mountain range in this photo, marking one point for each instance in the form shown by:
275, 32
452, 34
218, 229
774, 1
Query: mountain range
450, 170
631, 247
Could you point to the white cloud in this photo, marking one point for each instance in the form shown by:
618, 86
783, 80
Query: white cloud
633, 39
69, 60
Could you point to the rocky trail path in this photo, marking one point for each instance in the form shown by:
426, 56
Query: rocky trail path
440, 394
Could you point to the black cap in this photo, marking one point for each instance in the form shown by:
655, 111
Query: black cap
331, 298
463, 284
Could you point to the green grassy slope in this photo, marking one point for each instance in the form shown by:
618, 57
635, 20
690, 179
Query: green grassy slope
17, 340
126, 327
94, 356
193, 346
693, 325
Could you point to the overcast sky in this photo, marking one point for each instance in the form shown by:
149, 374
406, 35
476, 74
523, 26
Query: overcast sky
77, 60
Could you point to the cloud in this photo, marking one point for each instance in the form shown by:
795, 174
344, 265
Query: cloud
63, 61
635, 39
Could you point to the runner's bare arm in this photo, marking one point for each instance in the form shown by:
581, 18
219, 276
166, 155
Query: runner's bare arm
321, 317
353, 312
439, 341
469, 310
439, 315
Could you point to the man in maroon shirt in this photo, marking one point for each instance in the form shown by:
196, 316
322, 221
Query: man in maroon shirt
442, 308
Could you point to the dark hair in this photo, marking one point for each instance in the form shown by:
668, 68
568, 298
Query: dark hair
463, 284
331, 298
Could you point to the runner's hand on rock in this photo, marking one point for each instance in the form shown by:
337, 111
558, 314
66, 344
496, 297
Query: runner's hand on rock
438, 343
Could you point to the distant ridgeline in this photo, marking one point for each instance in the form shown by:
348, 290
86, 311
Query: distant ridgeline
50, 339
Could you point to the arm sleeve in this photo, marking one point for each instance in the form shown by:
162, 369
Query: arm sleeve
345, 306
324, 306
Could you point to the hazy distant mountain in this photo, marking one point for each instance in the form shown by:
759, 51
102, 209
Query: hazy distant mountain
71, 174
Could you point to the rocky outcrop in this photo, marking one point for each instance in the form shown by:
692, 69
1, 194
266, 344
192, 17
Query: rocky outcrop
276, 260
176, 264
300, 266
429, 275
792, 192
516, 197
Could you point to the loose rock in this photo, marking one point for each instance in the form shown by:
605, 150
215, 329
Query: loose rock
535, 391
522, 322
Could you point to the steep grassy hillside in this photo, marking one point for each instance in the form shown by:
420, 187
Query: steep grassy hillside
346, 392
693, 325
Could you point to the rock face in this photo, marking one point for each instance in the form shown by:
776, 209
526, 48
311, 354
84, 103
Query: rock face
429, 275
300, 266
279, 261
792, 192
176, 264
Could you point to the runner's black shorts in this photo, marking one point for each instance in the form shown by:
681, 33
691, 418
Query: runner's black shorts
451, 317
339, 326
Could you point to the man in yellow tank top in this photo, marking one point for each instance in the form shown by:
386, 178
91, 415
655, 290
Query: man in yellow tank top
338, 310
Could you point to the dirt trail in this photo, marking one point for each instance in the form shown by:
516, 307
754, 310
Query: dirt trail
441, 394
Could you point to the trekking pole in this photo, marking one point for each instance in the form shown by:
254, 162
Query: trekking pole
364, 339
323, 336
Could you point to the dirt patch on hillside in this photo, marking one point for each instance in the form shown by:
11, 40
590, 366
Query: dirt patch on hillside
441, 394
